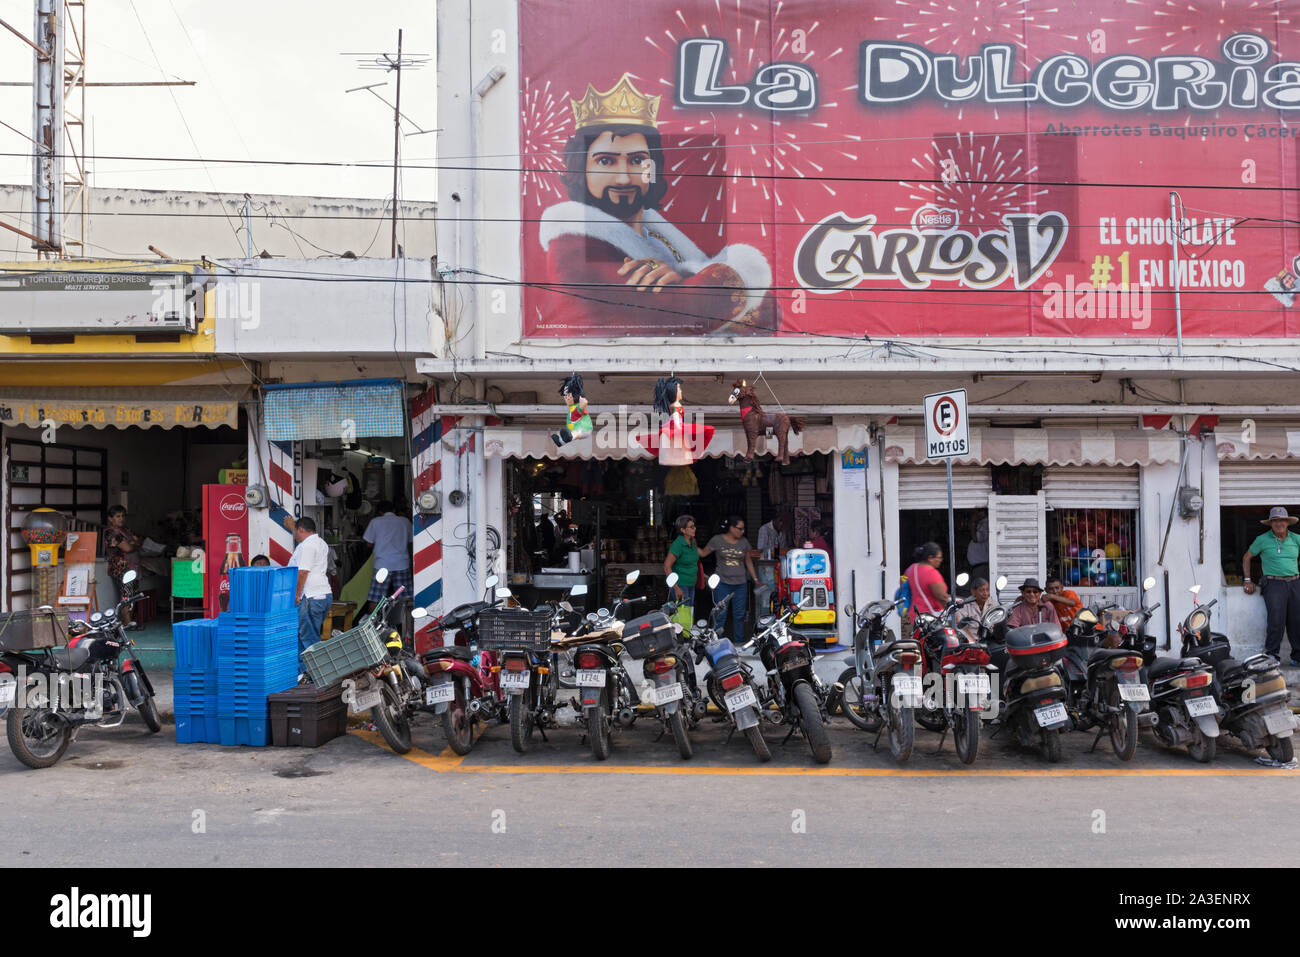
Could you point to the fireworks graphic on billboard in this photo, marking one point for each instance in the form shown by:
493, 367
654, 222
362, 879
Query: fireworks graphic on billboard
735, 148
1156, 27
983, 177
547, 126
943, 26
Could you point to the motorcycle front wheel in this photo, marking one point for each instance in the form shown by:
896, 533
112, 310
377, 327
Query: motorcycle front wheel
813, 729
391, 720
148, 709
1123, 726
966, 735
902, 732
35, 738
852, 703
457, 724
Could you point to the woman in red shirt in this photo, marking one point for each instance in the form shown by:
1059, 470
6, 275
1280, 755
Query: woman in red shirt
929, 593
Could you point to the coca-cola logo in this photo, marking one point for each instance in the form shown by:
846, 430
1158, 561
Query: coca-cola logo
232, 508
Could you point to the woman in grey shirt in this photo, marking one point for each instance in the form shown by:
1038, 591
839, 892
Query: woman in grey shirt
736, 569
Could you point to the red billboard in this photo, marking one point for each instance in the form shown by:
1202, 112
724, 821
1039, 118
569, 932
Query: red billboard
910, 169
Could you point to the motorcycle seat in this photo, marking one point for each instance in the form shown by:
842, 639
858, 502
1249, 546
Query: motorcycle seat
1101, 655
1227, 666
72, 658
1165, 665
451, 651
889, 646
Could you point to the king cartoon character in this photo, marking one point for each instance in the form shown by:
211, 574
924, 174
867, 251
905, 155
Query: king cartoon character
621, 265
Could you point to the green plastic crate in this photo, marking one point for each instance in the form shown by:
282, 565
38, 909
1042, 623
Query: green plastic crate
329, 661
186, 582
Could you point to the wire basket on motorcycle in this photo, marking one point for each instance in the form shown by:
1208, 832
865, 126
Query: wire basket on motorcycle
515, 628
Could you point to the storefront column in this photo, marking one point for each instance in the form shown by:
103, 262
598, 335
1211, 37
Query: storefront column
858, 553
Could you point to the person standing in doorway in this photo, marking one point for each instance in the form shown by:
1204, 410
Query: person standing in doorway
390, 534
736, 569
772, 537
929, 592
1279, 555
123, 551
311, 558
684, 558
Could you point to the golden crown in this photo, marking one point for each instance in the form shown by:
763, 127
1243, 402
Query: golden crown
621, 105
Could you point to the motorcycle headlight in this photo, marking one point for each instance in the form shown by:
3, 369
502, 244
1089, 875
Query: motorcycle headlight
1133, 620
995, 616
1198, 621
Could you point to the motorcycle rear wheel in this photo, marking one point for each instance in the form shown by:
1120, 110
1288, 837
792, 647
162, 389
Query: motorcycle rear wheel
31, 749
1123, 727
598, 730
457, 723
1049, 745
966, 736
677, 722
1202, 748
758, 742
813, 729
902, 732
521, 723
1281, 750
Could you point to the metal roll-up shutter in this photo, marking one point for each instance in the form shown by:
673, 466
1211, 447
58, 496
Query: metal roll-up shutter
926, 486
1079, 487
1259, 483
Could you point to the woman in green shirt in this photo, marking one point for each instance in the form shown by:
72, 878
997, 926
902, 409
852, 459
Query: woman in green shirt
684, 558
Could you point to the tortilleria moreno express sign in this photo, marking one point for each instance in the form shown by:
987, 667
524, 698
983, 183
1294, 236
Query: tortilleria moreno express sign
910, 169
99, 414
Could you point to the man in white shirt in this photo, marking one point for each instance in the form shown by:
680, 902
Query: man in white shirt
390, 534
311, 558
772, 536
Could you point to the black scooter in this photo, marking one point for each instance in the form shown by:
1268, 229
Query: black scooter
1034, 693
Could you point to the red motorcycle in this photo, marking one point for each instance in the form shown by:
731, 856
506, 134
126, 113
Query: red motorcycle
462, 681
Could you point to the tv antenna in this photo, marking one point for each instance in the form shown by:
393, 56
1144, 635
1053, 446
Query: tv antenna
390, 63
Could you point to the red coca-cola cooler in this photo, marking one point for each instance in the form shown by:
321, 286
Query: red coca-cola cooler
225, 533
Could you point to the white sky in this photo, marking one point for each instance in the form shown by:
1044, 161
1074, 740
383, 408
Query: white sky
270, 86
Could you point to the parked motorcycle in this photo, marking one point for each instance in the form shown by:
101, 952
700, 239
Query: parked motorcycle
529, 667
960, 682
883, 688
793, 687
392, 688
729, 682
1033, 691
55, 692
461, 685
667, 664
1104, 684
1252, 692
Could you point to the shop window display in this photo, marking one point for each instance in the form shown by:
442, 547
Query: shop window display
1093, 547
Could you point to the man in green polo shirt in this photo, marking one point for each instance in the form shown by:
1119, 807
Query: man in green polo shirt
1279, 554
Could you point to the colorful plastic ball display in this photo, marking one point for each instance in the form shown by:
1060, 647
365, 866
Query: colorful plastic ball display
1075, 575
1122, 542
1113, 550
1085, 582
1074, 551
1113, 578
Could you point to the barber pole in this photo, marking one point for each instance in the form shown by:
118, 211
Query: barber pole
427, 429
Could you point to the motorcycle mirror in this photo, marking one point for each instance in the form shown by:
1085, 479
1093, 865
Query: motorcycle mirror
491, 582
848, 611
1195, 589
566, 606
46, 609
577, 591
671, 580
129, 577
962, 579
381, 576
419, 613
677, 627
503, 593
765, 621
632, 576
1148, 584
1001, 582
714, 579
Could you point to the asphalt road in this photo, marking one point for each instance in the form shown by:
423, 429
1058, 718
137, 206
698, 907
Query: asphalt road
123, 796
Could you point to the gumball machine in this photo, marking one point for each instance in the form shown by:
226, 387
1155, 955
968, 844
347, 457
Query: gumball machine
45, 533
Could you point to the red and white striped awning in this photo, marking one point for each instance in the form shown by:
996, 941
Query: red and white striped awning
1269, 442
535, 443
1045, 447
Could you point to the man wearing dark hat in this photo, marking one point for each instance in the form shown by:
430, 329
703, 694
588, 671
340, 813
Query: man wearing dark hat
1279, 554
1032, 609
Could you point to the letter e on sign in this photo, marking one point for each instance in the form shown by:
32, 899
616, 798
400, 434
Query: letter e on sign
947, 430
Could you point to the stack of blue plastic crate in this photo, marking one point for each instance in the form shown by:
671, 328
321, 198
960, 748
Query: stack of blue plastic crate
195, 680
256, 651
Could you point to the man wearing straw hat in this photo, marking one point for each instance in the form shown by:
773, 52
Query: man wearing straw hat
1279, 554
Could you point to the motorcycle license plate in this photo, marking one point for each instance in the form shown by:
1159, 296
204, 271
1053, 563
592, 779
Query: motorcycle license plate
907, 685
8, 694
515, 679
667, 693
365, 700
1052, 714
591, 679
1198, 707
741, 698
973, 684
440, 692
1277, 722
1135, 692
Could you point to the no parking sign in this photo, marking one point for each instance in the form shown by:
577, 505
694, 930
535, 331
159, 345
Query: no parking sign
947, 430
